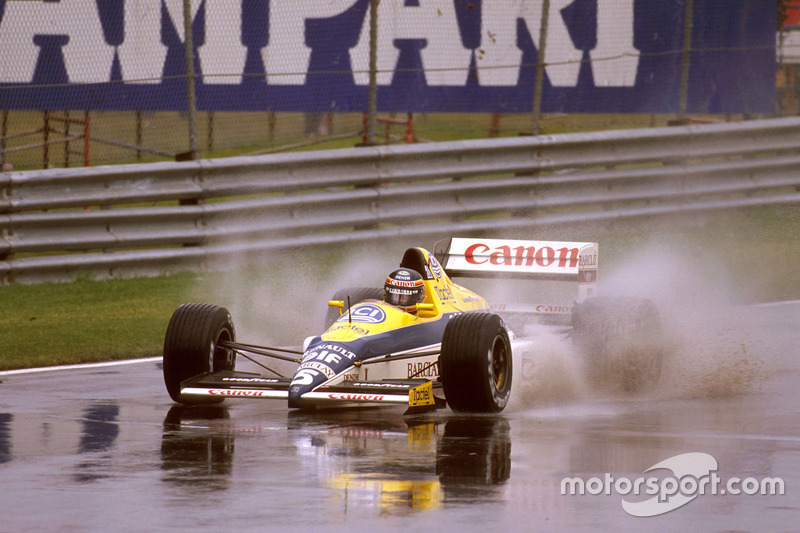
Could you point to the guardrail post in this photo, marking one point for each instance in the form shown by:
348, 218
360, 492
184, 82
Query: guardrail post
46, 145
3, 132
66, 134
271, 126
138, 135
210, 138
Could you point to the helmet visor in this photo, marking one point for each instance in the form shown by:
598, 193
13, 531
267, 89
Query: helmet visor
402, 297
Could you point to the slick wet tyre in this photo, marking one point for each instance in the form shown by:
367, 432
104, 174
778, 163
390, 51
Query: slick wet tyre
191, 344
475, 363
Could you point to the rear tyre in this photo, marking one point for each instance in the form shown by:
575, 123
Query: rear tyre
475, 363
621, 341
191, 344
356, 295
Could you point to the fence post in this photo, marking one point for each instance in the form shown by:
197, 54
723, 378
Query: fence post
191, 104
372, 104
539, 82
46, 144
66, 134
683, 97
138, 135
210, 139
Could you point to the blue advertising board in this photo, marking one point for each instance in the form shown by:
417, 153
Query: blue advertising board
433, 55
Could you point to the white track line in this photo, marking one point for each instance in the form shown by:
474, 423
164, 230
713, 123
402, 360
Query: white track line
776, 304
78, 367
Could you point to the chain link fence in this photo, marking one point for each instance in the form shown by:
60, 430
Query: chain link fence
89, 82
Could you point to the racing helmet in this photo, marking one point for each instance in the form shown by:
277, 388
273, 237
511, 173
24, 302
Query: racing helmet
404, 288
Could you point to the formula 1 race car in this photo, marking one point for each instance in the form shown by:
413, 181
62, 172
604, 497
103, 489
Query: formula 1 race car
422, 340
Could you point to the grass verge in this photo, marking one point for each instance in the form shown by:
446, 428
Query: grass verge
62, 323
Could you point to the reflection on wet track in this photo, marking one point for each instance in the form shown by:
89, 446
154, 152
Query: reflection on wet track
392, 462
96, 449
196, 447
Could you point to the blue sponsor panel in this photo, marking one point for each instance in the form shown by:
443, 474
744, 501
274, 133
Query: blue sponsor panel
433, 56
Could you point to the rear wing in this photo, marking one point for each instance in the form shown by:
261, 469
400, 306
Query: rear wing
538, 260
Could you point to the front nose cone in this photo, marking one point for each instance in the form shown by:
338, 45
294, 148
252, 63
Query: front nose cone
304, 380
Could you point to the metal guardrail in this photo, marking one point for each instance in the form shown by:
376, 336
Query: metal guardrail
147, 219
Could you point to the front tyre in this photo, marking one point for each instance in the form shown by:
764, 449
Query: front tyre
191, 344
475, 363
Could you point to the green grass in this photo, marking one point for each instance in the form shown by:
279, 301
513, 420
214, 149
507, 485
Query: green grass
754, 254
59, 323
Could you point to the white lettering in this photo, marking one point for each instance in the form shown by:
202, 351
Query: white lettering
324, 349
444, 58
76, 29
499, 58
614, 59
251, 380
304, 376
223, 51
142, 54
78, 22
287, 56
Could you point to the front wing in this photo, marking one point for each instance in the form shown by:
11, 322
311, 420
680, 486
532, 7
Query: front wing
414, 393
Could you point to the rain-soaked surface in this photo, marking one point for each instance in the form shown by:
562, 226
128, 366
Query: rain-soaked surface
99, 449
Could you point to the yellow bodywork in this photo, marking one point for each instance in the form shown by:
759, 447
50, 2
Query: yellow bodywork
442, 297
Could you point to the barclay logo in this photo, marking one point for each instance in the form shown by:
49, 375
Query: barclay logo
692, 475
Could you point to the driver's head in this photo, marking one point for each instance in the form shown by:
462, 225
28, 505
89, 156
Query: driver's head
404, 288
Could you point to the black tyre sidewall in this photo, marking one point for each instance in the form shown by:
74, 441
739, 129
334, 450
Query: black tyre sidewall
190, 344
469, 345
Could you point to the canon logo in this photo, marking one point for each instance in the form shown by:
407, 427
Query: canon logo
553, 309
224, 392
479, 253
361, 397
401, 283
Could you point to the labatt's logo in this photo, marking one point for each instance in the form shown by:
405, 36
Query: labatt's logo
544, 256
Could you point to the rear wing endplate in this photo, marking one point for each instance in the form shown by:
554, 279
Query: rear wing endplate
510, 258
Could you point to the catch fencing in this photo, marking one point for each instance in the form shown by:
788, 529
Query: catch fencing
190, 78
155, 218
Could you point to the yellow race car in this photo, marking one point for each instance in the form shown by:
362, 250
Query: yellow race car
422, 340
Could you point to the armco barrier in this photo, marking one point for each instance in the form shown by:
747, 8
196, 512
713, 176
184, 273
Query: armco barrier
146, 219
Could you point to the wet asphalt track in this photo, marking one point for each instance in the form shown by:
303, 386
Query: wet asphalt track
102, 449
